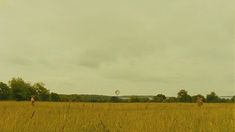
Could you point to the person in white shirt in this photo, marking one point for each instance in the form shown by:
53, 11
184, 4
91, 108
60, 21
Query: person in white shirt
32, 100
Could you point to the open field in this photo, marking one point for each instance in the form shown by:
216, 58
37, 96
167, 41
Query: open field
101, 117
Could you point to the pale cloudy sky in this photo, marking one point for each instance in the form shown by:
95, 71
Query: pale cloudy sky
139, 47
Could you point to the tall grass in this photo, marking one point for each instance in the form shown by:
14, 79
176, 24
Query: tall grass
108, 117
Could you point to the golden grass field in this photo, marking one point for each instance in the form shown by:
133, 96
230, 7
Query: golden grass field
119, 117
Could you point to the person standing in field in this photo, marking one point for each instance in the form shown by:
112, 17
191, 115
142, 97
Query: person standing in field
199, 101
32, 100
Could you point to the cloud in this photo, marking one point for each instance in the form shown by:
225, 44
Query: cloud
128, 75
125, 44
19, 61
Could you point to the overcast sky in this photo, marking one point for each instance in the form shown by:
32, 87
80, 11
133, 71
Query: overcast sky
138, 47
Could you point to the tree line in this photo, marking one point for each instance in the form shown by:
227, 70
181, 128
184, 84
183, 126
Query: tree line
19, 90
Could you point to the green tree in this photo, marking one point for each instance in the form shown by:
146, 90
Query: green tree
144, 99
4, 91
115, 99
233, 99
159, 98
212, 98
223, 100
194, 98
54, 97
43, 94
183, 96
171, 99
134, 99
21, 90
